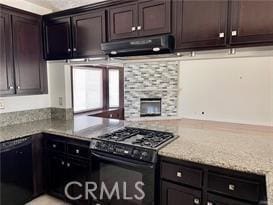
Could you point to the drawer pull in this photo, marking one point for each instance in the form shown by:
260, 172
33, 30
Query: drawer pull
62, 162
231, 187
54, 145
196, 201
179, 174
234, 33
68, 164
77, 151
209, 203
221, 35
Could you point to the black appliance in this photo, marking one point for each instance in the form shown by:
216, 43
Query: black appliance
139, 46
129, 156
16, 171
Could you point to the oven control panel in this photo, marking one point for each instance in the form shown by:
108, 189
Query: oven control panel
128, 151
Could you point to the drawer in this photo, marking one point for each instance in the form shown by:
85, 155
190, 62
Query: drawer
77, 150
235, 187
217, 199
182, 174
55, 145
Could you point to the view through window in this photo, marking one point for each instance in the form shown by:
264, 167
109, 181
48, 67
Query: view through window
96, 88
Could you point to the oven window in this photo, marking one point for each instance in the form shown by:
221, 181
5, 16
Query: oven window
110, 174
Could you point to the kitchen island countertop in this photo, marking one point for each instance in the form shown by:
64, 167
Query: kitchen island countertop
238, 147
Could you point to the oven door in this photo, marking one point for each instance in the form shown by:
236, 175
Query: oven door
109, 170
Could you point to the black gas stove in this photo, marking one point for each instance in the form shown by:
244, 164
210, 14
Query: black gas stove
135, 143
128, 155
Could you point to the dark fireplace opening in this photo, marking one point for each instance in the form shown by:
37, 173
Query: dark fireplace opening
150, 107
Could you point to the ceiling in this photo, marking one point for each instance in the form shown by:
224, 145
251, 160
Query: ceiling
59, 5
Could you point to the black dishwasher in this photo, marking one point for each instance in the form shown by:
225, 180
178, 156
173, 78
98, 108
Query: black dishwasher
16, 172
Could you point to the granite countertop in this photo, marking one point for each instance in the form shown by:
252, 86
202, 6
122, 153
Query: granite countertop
81, 127
239, 147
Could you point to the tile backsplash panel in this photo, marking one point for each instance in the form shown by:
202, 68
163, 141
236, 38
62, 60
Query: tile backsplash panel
151, 80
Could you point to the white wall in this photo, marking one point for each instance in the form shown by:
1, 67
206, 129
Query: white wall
59, 76
235, 90
27, 6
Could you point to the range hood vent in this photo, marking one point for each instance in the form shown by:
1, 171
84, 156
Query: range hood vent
139, 46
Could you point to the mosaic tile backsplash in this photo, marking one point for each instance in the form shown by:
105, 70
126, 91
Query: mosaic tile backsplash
151, 80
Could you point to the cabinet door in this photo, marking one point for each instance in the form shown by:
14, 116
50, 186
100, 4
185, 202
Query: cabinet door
123, 21
58, 39
200, 24
219, 200
77, 170
251, 22
27, 48
6, 65
172, 194
56, 179
88, 34
154, 17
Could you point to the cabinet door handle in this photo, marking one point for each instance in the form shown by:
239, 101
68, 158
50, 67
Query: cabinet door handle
231, 187
74, 49
62, 162
69, 50
133, 28
54, 145
11, 87
196, 201
77, 151
234, 33
139, 28
18, 87
209, 203
179, 174
68, 164
221, 35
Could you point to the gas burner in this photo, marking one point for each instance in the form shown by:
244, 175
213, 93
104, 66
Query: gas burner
139, 137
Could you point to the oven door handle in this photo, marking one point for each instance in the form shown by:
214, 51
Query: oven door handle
124, 161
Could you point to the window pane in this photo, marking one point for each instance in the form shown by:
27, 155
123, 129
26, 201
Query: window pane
113, 88
87, 89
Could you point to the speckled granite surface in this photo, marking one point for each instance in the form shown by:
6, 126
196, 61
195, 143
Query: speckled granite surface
238, 147
82, 127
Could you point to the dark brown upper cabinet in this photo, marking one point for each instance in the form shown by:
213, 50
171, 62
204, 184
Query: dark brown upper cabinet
143, 18
27, 38
76, 36
6, 64
58, 43
154, 17
123, 21
200, 24
88, 33
251, 22
23, 70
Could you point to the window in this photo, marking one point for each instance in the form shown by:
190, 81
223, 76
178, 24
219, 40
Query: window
97, 88
113, 88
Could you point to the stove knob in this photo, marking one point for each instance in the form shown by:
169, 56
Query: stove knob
144, 155
136, 153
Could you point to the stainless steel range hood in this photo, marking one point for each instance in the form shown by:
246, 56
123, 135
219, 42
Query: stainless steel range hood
139, 46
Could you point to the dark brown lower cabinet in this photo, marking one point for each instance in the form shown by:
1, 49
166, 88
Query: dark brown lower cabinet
78, 170
220, 200
217, 186
56, 179
172, 194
